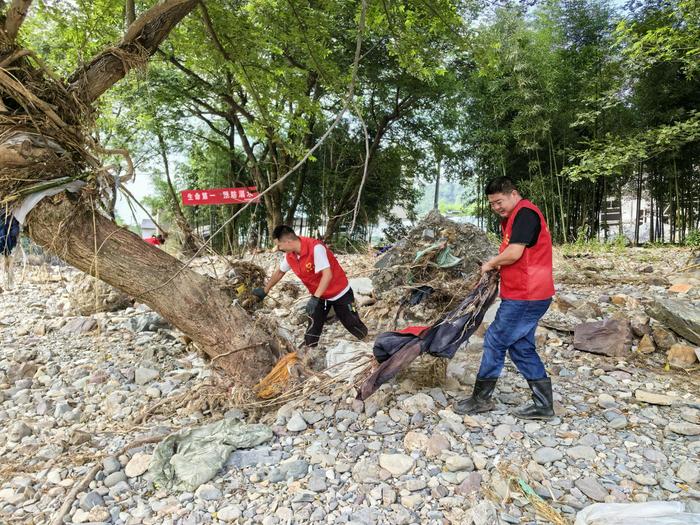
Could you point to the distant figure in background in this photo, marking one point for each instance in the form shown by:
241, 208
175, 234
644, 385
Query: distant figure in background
154, 240
252, 240
9, 235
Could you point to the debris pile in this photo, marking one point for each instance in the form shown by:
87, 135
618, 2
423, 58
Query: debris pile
89, 296
435, 249
426, 274
241, 278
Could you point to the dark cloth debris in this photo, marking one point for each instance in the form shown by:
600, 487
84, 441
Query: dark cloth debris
419, 294
396, 350
9, 233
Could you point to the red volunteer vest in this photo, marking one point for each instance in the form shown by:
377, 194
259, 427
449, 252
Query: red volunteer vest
530, 277
304, 268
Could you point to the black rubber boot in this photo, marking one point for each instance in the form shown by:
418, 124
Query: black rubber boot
480, 401
542, 406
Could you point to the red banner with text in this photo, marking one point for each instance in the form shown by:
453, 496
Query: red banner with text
220, 196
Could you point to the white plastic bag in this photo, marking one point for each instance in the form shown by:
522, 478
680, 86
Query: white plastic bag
346, 358
650, 513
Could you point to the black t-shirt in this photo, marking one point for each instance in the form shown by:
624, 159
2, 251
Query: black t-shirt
526, 228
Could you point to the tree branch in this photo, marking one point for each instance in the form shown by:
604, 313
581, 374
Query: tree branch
293, 61
244, 141
210, 109
141, 41
210, 30
365, 170
187, 71
225, 96
211, 125
15, 16
211, 141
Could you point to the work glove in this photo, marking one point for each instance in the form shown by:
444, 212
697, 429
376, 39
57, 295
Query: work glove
259, 293
311, 305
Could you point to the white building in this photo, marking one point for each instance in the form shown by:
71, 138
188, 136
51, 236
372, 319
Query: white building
148, 228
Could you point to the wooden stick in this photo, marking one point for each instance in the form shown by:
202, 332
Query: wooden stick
68, 502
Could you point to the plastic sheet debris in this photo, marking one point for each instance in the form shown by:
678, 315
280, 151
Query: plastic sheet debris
441, 254
419, 294
442, 339
347, 358
650, 513
189, 458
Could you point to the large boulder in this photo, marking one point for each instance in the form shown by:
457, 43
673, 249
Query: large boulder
610, 337
89, 296
681, 316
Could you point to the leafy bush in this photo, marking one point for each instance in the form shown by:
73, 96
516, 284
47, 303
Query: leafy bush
693, 239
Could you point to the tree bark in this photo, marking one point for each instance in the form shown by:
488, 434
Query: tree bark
130, 15
141, 41
192, 302
436, 197
638, 206
13, 21
273, 206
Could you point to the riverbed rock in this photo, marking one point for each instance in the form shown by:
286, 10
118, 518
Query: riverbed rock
138, 464
681, 355
610, 337
681, 316
397, 464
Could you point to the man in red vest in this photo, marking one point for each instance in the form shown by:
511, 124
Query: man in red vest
527, 287
325, 279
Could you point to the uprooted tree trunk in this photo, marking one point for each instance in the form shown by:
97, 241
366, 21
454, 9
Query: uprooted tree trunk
191, 301
46, 139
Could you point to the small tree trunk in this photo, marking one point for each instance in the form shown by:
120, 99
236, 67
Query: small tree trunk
436, 198
130, 10
638, 206
273, 206
652, 218
189, 244
298, 193
620, 229
331, 227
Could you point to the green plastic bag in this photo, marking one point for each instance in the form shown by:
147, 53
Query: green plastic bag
186, 459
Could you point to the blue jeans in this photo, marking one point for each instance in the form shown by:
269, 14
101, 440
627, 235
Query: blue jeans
513, 331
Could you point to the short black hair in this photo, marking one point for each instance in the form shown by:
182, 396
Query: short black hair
500, 185
283, 230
